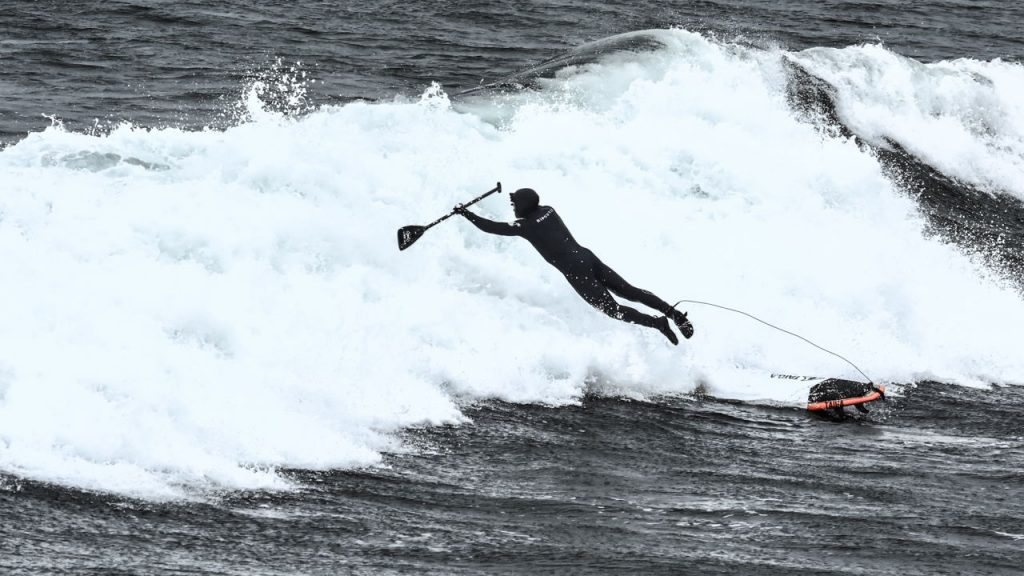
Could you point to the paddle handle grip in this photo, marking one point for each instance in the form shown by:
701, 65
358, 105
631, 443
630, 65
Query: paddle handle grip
497, 188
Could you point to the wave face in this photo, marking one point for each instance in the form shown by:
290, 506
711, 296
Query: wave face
963, 117
188, 312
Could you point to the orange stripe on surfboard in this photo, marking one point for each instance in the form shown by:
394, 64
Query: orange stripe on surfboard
828, 404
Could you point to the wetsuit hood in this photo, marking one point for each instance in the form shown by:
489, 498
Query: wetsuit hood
524, 201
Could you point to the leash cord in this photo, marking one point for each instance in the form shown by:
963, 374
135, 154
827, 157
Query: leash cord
769, 324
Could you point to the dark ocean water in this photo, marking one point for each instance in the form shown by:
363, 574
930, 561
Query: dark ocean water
174, 64
930, 483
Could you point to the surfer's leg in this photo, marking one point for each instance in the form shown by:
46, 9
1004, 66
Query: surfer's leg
611, 280
594, 292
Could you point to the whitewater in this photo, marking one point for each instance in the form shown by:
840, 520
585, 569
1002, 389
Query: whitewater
187, 312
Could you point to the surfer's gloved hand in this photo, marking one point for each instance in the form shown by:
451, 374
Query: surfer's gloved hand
460, 209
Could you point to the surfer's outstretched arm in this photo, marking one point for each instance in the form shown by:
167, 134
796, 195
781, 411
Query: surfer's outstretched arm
489, 226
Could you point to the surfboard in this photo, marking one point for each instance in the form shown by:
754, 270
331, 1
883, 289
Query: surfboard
833, 393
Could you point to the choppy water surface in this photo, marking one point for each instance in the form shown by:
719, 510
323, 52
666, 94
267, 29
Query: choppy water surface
213, 358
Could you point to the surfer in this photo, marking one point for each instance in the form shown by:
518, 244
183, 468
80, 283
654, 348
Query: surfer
591, 278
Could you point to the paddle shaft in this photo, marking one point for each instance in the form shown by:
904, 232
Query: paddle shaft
470, 203
407, 235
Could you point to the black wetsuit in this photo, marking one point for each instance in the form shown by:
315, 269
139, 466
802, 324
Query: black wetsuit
590, 277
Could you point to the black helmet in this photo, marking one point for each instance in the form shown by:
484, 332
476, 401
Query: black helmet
524, 201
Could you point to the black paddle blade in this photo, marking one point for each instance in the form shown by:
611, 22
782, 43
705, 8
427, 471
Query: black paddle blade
409, 234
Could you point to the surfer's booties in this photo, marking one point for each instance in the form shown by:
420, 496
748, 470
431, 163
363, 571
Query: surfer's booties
661, 323
684, 325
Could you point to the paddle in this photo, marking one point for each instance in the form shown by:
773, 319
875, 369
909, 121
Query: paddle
409, 234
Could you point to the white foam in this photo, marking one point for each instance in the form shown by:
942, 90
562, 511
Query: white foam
241, 305
965, 117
